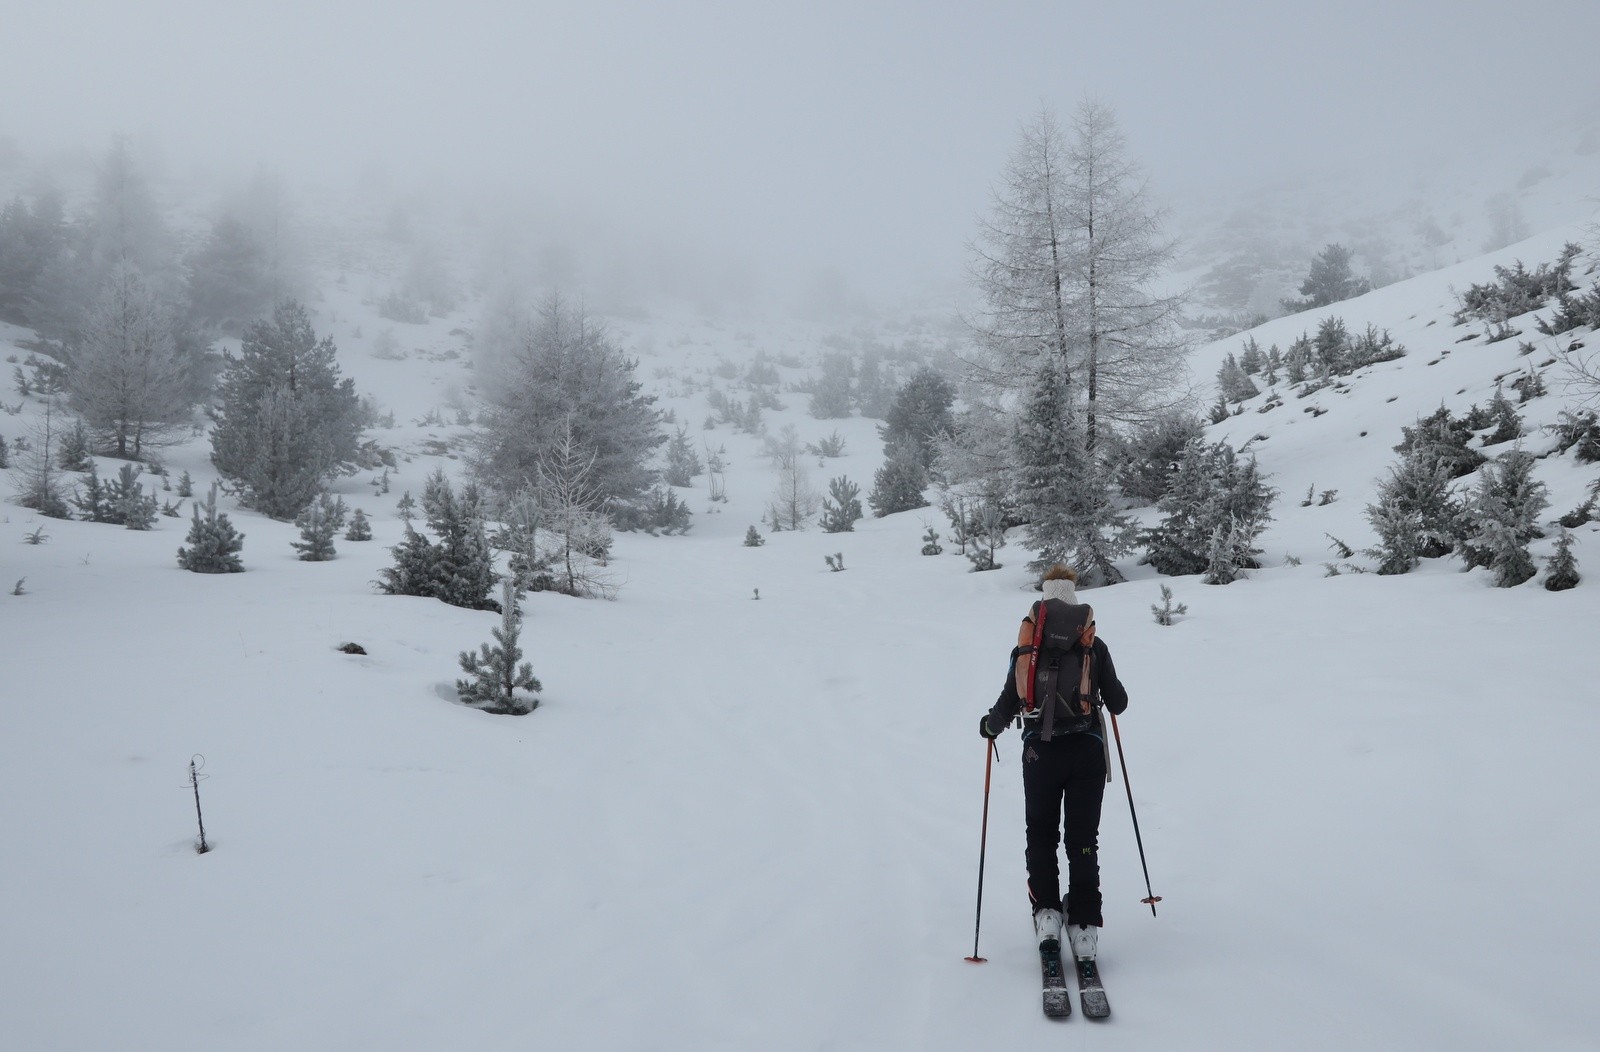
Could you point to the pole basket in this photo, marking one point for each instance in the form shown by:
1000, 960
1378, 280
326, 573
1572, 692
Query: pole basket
1151, 902
976, 960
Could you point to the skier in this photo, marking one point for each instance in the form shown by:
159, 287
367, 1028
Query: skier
1063, 777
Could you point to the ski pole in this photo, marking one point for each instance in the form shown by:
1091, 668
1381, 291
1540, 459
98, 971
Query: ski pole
983, 847
1153, 897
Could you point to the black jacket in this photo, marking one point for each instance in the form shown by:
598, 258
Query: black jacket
1108, 689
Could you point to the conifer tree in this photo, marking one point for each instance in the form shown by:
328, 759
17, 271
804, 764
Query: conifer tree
459, 569
841, 507
318, 523
1060, 491
287, 422
1502, 517
753, 538
1213, 493
89, 497
1561, 570
360, 529
930, 542
213, 543
131, 506
920, 415
5, 453
501, 680
683, 463
988, 535
1415, 515
898, 484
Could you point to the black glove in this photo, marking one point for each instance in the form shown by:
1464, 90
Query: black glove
983, 728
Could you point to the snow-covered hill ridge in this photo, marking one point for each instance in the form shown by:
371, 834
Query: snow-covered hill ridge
1342, 437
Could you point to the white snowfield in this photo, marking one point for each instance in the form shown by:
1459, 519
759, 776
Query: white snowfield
737, 823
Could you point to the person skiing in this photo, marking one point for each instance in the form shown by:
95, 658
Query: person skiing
1064, 769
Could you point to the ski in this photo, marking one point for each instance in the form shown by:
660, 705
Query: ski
1090, 992
1057, 1002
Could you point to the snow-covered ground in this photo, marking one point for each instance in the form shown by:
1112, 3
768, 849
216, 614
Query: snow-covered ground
753, 823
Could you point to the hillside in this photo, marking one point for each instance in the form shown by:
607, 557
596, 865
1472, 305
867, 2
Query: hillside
747, 813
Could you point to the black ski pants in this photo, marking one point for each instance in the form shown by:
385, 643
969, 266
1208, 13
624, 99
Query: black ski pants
1063, 782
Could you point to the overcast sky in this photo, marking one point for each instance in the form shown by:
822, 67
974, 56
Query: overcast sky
862, 133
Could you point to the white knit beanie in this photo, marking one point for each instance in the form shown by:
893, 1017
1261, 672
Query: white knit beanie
1062, 589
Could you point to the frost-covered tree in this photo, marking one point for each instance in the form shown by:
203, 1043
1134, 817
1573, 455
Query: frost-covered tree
988, 535
1143, 462
841, 507
360, 529
127, 501
920, 414
1061, 492
794, 500
683, 463
572, 502
1444, 439
501, 681
1232, 383
753, 538
1415, 515
559, 374
213, 544
1502, 516
319, 521
130, 377
457, 569
1561, 570
287, 421
33, 236
899, 483
40, 485
1214, 493
1066, 263
830, 395
1329, 281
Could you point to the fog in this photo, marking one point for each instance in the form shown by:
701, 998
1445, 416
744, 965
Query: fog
855, 141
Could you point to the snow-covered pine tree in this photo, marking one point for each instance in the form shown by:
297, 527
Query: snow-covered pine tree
1415, 515
830, 394
1166, 613
127, 501
898, 484
287, 422
664, 512
213, 543
133, 507
1507, 421
5, 453
185, 485
1502, 516
919, 416
74, 455
501, 681
930, 542
1212, 488
360, 529
1561, 569
1232, 383
1441, 437
841, 507
318, 523
459, 569
89, 496
1142, 463
39, 487
1060, 491
1251, 360
753, 538
988, 536
683, 463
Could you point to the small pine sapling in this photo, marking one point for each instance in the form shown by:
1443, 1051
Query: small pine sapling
835, 561
407, 507
1580, 515
214, 544
5, 454
38, 536
841, 507
501, 681
753, 538
930, 542
185, 485
1561, 570
360, 529
318, 523
1166, 613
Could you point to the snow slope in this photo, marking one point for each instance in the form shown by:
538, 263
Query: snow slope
742, 823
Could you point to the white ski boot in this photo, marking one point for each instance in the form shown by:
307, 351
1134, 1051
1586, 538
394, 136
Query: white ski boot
1047, 926
1085, 939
